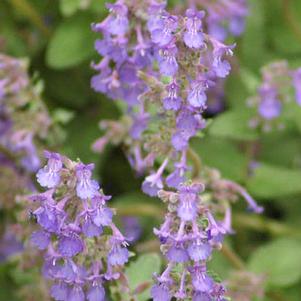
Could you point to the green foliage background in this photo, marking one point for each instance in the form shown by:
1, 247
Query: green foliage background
55, 35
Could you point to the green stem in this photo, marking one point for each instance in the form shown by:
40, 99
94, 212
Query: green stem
261, 224
140, 210
291, 19
28, 10
232, 257
197, 165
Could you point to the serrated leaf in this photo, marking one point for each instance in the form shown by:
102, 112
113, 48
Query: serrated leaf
234, 125
141, 271
279, 261
270, 181
71, 43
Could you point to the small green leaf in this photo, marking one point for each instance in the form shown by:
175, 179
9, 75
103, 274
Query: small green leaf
271, 181
279, 261
234, 125
141, 271
71, 43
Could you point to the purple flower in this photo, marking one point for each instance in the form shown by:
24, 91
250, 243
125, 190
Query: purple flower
59, 292
188, 198
167, 61
297, 85
177, 253
270, 106
89, 228
199, 296
237, 25
140, 122
160, 292
118, 254
49, 176
96, 293
70, 244
193, 36
172, 101
102, 216
76, 293
41, 239
175, 178
153, 183
47, 218
221, 67
117, 23
199, 250
197, 96
85, 187
163, 35
200, 280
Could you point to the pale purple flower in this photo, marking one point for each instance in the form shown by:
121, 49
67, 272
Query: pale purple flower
199, 251
163, 34
85, 187
221, 66
70, 244
200, 280
160, 292
96, 292
167, 60
193, 36
118, 254
49, 175
173, 100
76, 293
117, 23
59, 292
270, 106
41, 239
177, 253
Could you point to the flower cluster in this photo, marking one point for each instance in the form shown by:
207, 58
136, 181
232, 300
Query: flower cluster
188, 236
163, 65
79, 253
279, 82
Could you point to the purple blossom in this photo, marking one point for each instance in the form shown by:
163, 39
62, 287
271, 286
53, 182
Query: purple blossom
221, 66
167, 61
193, 36
200, 280
85, 187
199, 251
177, 253
41, 239
96, 293
49, 176
270, 106
117, 23
76, 293
118, 254
163, 35
197, 97
160, 292
70, 244
59, 292
173, 100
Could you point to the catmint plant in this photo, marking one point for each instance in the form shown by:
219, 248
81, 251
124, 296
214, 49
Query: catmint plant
280, 84
161, 65
82, 247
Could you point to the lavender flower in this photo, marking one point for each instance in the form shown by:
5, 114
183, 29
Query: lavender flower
72, 215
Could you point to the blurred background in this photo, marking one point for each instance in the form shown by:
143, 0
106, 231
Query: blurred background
55, 36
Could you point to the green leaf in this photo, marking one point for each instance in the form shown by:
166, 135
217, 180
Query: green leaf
279, 261
271, 181
71, 43
233, 124
141, 271
220, 153
69, 7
